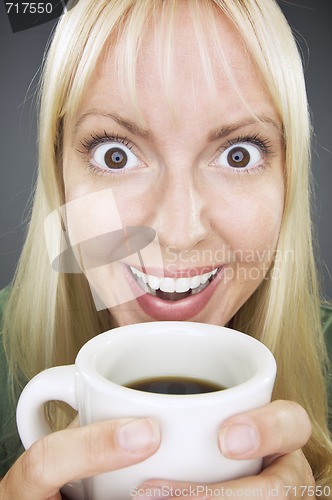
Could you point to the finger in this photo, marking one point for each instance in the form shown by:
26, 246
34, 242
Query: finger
276, 429
289, 477
72, 454
294, 473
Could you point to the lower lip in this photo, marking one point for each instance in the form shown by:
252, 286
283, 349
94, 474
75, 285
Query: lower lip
180, 310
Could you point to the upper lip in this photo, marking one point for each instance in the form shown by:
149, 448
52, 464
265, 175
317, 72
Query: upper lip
178, 273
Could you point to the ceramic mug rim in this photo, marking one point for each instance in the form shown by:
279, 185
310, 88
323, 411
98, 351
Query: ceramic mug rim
86, 367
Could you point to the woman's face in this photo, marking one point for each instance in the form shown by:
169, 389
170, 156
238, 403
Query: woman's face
209, 183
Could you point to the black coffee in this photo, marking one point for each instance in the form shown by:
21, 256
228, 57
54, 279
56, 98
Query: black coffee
175, 385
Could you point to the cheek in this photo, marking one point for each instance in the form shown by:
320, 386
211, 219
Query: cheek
96, 217
90, 210
250, 220
106, 202
78, 180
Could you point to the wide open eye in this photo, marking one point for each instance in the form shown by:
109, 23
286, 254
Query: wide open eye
241, 155
114, 156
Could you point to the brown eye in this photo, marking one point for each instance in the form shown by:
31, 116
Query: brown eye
240, 156
115, 158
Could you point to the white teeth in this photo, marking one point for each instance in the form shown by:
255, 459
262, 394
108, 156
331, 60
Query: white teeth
195, 281
139, 273
205, 277
145, 278
153, 281
182, 285
171, 285
167, 285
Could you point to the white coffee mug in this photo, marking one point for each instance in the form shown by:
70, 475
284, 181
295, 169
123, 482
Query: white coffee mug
189, 423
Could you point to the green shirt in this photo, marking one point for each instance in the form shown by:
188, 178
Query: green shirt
326, 315
10, 445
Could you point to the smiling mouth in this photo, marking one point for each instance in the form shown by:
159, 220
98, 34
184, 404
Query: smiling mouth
173, 289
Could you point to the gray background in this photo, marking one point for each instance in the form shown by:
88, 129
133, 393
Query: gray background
20, 57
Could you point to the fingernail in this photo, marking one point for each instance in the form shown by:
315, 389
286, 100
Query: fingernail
139, 434
237, 440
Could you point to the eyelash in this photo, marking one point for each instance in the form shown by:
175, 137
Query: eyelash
89, 143
263, 144
260, 142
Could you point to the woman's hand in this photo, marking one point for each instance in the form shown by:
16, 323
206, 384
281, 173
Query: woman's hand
277, 432
75, 453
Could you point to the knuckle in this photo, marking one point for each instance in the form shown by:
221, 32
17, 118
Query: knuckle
290, 412
287, 480
34, 464
307, 476
302, 415
272, 484
303, 419
275, 425
311, 482
304, 474
98, 443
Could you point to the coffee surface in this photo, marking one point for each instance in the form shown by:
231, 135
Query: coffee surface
175, 385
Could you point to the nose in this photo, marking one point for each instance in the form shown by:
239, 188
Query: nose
181, 219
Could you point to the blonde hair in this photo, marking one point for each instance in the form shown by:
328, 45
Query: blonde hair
51, 315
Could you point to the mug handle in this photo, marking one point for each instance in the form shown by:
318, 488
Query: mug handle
58, 384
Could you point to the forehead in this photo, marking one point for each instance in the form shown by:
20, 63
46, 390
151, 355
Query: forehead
196, 65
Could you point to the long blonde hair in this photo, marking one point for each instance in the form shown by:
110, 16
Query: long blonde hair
51, 315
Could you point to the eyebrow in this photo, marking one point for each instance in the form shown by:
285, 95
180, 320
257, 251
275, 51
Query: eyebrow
226, 130
129, 125
217, 133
